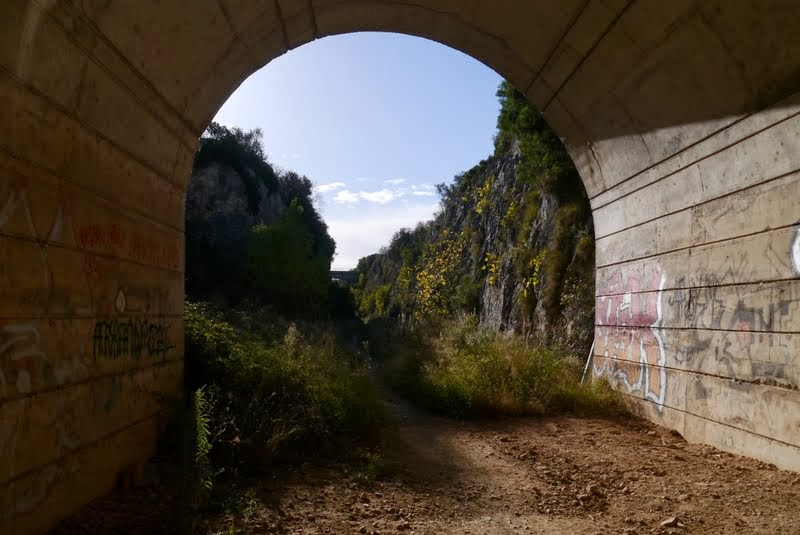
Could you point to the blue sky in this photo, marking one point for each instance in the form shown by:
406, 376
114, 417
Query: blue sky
375, 120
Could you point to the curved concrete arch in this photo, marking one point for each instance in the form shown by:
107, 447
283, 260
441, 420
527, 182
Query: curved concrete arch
681, 116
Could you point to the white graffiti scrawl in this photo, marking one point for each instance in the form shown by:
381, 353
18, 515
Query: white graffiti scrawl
18, 345
629, 347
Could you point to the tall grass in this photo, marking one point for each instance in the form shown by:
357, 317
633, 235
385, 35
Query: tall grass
276, 390
458, 368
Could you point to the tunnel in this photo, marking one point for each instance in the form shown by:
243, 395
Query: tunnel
681, 117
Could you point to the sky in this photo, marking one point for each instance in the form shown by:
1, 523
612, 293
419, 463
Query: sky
375, 120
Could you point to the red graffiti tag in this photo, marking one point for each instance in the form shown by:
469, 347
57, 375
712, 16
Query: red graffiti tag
135, 245
628, 344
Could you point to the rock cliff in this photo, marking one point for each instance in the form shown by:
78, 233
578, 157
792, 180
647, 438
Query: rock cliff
512, 243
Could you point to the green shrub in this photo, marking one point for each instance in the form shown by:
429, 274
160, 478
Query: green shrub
283, 267
460, 369
275, 388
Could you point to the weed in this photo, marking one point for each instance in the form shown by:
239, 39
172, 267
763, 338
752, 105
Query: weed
461, 369
273, 390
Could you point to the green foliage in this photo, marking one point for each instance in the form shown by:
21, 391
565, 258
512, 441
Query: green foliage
569, 220
509, 218
273, 389
531, 281
436, 278
460, 369
466, 295
482, 196
283, 266
373, 302
202, 441
530, 210
299, 190
491, 265
544, 162
514, 218
241, 150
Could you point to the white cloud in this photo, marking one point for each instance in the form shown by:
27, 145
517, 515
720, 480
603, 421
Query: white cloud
325, 188
347, 197
423, 193
363, 234
395, 181
381, 197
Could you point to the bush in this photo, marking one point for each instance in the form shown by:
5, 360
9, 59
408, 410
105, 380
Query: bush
275, 390
283, 267
462, 370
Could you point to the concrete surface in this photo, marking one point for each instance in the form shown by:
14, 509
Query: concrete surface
682, 117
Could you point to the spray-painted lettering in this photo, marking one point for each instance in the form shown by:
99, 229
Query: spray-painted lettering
628, 345
132, 337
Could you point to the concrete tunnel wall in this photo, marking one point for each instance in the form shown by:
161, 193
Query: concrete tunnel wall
681, 116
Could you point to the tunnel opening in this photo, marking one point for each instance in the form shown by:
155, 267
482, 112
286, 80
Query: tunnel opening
682, 132
509, 247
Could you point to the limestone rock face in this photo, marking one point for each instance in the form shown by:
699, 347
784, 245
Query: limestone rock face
506, 223
218, 190
220, 213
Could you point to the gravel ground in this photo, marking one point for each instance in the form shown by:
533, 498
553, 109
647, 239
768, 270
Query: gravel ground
559, 475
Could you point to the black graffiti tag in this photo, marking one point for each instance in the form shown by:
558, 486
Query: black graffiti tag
132, 337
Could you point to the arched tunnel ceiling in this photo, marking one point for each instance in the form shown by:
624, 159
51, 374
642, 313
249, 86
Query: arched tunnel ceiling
599, 69
683, 118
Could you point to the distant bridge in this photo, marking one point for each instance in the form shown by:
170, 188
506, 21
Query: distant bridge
351, 277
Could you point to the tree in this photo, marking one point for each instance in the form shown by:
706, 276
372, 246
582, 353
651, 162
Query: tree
296, 188
243, 151
283, 267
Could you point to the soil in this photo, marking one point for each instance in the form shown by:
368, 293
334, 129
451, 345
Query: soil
555, 475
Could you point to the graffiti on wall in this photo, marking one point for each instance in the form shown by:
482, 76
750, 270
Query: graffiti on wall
794, 252
65, 264
734, 331
130, 243
629, 348
116, 338
20, 358
129, 337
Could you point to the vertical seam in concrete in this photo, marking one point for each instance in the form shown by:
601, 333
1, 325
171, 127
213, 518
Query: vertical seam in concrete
224, 10
550, 55
589, 53
728, 50
314, 27
590, 148
279, 12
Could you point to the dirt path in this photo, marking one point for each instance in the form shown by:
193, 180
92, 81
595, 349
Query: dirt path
551, 476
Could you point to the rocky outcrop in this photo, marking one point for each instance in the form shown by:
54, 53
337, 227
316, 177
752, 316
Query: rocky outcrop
525, 261
217, 190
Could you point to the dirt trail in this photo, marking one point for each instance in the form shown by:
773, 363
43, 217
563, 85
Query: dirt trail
559, 475
548, 475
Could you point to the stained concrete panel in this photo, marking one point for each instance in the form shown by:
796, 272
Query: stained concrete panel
679, 116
